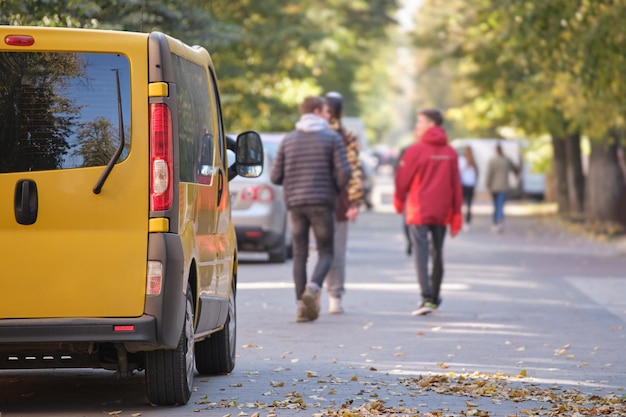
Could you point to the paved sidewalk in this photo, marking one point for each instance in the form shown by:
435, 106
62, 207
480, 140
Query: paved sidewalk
535, 306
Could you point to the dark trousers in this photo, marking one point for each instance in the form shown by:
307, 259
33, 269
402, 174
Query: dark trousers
468, 197
322, 220
430, 284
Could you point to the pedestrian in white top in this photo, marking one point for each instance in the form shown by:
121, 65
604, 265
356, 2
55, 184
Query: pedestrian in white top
469, 178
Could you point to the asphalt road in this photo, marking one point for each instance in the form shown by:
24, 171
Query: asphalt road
534, 302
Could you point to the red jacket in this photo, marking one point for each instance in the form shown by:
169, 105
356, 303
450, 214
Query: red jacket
428, 185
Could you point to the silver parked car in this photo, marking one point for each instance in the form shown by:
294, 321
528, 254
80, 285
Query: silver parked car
258, 210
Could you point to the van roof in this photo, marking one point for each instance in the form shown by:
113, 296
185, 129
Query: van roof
94, 40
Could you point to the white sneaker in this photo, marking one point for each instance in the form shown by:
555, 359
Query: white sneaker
424, 308
334, 305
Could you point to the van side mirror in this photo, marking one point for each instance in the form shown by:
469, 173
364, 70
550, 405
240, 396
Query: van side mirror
248, 150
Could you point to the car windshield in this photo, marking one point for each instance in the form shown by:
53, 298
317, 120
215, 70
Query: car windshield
270, 148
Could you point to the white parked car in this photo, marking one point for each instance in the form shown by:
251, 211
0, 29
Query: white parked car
258, 211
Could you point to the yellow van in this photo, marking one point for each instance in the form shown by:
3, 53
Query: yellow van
117, 249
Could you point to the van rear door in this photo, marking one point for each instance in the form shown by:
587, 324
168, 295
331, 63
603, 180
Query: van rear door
65, 250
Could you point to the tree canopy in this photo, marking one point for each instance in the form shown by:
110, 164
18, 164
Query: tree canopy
269, 55
553, 67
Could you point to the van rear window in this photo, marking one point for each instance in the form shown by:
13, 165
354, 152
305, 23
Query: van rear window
60, 110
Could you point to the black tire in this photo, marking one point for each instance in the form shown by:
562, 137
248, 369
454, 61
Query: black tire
278, 254
169, 372
215, 355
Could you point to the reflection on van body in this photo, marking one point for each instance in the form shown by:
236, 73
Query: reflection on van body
137, 272
59, 110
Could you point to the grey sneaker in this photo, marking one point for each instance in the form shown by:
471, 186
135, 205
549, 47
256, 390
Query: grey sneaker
425, 308
311, 299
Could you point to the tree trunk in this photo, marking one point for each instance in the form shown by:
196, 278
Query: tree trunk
559, 170
605, 183
575, 176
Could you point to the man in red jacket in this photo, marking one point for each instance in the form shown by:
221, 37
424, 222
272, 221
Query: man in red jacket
429, 193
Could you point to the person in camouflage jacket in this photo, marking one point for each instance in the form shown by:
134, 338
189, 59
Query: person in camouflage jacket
348, 204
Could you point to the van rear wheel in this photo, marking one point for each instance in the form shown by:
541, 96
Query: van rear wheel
169, 372
215, 355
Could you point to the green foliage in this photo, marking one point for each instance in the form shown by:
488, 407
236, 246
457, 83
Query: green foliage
543, 66
282, 53
269, 55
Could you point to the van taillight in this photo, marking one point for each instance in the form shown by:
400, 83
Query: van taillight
19, 40
161, 157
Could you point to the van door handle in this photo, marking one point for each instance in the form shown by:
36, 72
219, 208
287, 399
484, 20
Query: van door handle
26, 202
220, 185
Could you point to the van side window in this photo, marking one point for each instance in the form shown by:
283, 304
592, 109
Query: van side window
60, 110
221, 137
196, 129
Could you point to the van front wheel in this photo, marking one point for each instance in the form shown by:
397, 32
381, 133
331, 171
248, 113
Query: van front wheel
215, 355
169, 372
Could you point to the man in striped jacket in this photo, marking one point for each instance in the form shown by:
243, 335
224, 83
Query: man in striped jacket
312, 166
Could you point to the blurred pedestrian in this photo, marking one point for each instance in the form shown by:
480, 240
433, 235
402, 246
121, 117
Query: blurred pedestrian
312, 167
497, 182
348, 203
405, 227
428, 191
469, 179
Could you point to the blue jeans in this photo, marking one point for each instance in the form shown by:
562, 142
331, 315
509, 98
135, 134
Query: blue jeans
322, 220
498, 207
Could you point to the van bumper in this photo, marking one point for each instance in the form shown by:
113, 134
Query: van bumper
98, 330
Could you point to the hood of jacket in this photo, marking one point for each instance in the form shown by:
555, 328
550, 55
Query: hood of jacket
435, 136
311, 123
